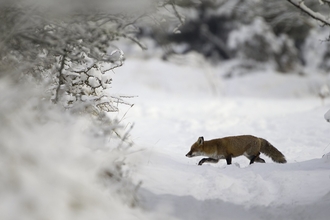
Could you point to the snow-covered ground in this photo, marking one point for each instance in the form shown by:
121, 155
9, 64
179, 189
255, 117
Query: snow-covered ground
178, 103
55, 166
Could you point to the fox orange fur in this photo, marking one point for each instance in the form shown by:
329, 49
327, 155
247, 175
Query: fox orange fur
234, 146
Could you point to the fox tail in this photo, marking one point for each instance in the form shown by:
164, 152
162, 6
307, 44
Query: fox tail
269, 150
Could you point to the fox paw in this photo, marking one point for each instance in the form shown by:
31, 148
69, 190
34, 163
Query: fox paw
201, 162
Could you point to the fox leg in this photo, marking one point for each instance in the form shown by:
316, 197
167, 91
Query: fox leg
208, 160
256, 158
259, 160
228, 159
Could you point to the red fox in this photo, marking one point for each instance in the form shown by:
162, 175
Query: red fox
228, 147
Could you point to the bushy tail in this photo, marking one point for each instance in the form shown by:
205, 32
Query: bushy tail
269, 150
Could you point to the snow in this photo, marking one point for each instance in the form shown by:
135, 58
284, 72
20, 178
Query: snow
176, 104
327, 116
55, 164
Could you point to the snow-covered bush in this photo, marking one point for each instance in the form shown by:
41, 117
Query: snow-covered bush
254, 41
62, 151
257, 42
54, 164
73, 48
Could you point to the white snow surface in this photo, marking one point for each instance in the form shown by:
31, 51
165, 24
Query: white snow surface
327, 116
178, 103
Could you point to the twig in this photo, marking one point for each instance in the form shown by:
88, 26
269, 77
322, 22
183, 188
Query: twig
176, 12
60, 78
143, 47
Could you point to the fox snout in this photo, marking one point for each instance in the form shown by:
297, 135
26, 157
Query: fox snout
189, 154
192, 153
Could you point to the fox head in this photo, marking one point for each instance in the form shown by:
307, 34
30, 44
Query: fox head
197, 148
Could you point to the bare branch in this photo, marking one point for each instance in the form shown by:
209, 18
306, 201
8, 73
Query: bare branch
176, 12
133, 39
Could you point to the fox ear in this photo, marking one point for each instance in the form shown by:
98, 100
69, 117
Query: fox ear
200, 140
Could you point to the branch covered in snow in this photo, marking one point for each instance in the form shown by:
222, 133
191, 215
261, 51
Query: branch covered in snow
316, 15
